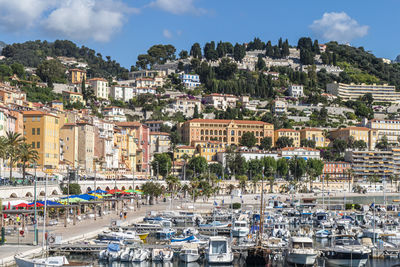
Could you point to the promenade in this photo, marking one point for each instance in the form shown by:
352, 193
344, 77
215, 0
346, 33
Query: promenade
85, 229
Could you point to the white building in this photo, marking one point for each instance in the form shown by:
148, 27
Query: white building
296, 90
100, 87
220, 101
190, 80
114, 114
279, 106
185, 105
300, 152
121, 92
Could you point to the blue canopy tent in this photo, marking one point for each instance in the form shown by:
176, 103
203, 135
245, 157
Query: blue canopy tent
49, 203
87, 197
98, 191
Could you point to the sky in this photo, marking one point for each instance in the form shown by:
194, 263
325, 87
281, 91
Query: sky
123, 29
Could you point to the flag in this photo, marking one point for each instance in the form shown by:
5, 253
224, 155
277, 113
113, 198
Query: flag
372, 205
215, 203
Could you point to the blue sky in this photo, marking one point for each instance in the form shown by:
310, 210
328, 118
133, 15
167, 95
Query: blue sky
123, 29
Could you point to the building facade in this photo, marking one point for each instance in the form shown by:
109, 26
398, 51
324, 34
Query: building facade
77, 75
380, 93
296, 90
100, 87
316, 135
357, 133
225, 131
290, 133
190, 80
371, 163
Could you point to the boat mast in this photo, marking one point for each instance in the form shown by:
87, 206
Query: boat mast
261, 211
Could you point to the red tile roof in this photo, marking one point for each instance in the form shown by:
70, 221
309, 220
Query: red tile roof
158, 133
128, 124
286, 130
229, 121
297, 148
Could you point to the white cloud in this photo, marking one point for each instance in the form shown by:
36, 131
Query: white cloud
87, 19
178, 7
339, 27
74, 19
21, 14
167, 34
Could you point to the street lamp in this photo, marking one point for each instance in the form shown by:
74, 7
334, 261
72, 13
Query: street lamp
35, 234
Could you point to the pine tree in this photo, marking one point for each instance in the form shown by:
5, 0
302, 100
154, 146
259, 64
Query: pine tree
280, 43
316, 47
269, 52
285, 49
260, 63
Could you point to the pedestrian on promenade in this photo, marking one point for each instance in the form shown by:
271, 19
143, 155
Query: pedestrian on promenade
120, 215
125, 215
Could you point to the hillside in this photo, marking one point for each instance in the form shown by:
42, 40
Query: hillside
32, 53
2, 45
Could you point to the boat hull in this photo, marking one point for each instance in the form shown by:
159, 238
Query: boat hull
301, 259
346, 262
189, 257
220, 258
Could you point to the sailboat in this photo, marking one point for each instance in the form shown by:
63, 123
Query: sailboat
48, 262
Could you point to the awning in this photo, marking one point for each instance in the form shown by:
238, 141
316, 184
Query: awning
129, 176
14, 174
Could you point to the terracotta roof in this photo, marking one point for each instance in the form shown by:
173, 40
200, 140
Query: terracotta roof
158, 133
128, 124
353, 128
229, 121
209, 141
98, 79
37, 112
298, 148
311, 130
153, 122
72, 93
286, 130
185, 147
77, 70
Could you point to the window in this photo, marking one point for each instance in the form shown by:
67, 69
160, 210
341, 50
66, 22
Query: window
38, 131
37, 144
33, 144
232, 132
33, 131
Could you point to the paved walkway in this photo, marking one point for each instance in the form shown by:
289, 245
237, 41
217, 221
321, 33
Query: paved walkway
83, 230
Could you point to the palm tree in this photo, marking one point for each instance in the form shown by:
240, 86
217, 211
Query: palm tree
13, 140
231, 187
173, 183
350, 176
242, 182
26, 154
3, 145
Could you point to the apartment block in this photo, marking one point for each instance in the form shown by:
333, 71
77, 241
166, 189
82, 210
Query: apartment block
279, 106
225, 131
181, 151
296, 90
316, 135
290, 133
370, 163
388, 128
159, 142
100, 87
380, 93
358, 133
77, 75
208, 149
220, 101
190, 80
70, 137
299, 152
85, 146
41, 130
336, 170
121, 92
72, 97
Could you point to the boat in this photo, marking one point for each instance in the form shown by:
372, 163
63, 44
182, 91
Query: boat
189, 252
143, 236
346, 251
140, 255
165, 234
128, 236
162, 255
125, 255
112, 253
301, 251
48, 262
219, 250
322, 233
240, 229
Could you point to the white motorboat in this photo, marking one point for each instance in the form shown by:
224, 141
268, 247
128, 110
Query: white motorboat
162, 255
128, 236
240, 229
189, 253
140, 255
346, 251
301, 251
47, 262
125, 255
219, 250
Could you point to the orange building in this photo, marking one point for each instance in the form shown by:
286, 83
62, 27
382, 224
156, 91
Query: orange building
226, 131
77, 75
290, 133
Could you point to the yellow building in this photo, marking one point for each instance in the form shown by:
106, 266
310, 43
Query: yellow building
180, 151
358, 133
314, 134
293, 134
42, 131
129, 156
225, 131
208, 149
77, 75
72, 97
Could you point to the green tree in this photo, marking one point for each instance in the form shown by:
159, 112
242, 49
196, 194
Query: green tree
196, 114
27, 154
239, 52
162, 164
339, 145
266, 143
51, 71
198, 165
270, 170
195, 51
5, 72
297, 167
217, 169
248, 139
209, 51
282, 167
173, 183
307, 143
183, 54
269, 51
18, 69
13, 142
260, 63
383, 143
314, 169
284, 141
152, 190
74, 189
242, 182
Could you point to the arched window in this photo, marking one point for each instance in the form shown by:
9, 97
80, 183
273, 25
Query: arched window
202, 132
207, 132
220, 132
232, 139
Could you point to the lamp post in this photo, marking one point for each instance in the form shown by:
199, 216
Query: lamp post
35, 232
95, 189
